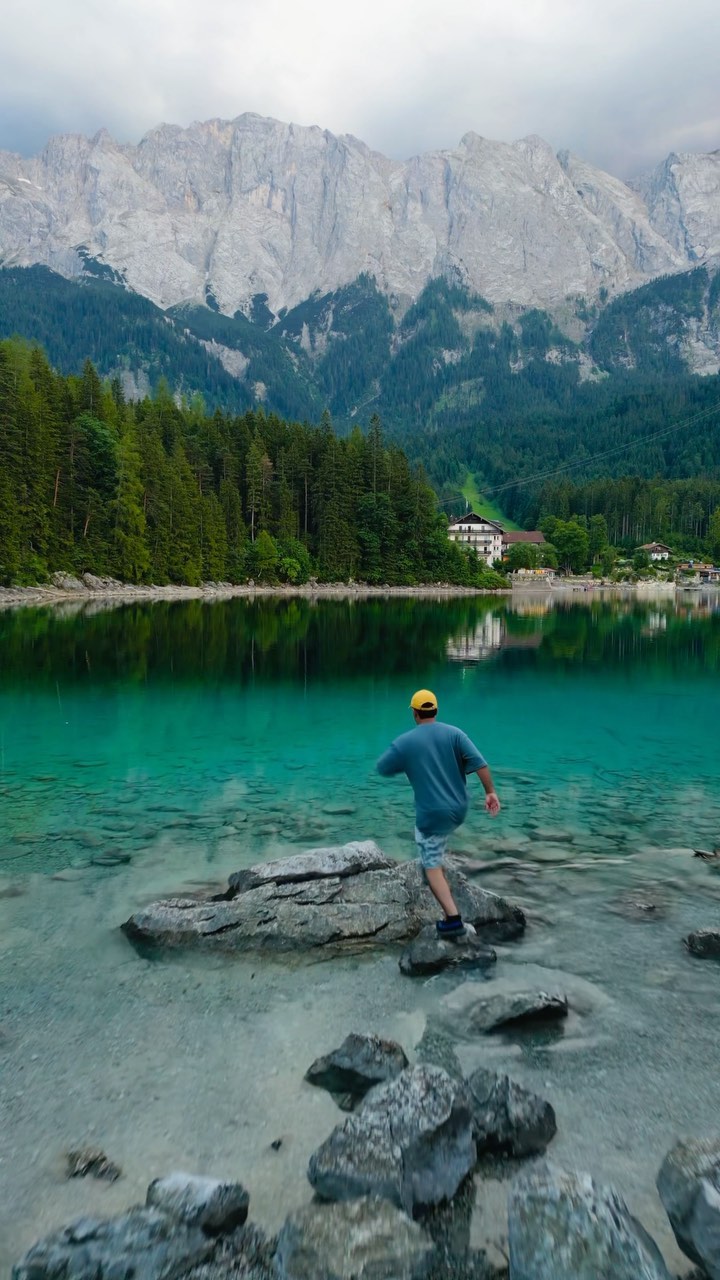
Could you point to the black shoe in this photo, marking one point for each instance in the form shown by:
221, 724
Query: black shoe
452, 928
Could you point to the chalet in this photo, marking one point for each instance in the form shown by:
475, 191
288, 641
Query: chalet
483, 535
533, 536
656, 550
703, 574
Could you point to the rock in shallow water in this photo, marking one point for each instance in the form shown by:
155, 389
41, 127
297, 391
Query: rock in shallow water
563, 1226
704, 943
429, 953
113, 859
689, 1186
142, 1242
411, 1143
486, 1009
338, 898
507, 1119
217, 1207
180, 1228
456, 1012
360, 1238
90, 1160
361, 1062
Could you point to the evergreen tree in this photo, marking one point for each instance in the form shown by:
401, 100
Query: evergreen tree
265, 557
235, 532
598, 531
131, 560
214, 539
184, 551
714, 536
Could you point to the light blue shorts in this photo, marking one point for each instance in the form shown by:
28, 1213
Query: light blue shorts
431, 849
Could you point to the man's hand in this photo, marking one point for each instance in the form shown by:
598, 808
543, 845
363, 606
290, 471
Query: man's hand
492, 804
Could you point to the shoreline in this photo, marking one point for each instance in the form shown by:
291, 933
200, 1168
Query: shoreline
132, 594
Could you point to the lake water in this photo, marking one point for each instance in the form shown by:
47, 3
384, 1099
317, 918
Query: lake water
197, 738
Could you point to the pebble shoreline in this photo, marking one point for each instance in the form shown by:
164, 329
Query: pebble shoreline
127, 592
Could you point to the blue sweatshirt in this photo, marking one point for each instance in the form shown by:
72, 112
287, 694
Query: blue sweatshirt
436, 757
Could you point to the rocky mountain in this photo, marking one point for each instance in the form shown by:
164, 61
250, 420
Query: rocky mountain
252, 211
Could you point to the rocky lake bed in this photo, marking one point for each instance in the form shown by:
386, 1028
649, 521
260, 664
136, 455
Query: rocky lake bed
181, 972
462, 1076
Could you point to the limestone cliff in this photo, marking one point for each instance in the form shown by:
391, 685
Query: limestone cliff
228, 210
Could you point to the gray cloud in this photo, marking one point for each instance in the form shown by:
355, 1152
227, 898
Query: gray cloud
621, 85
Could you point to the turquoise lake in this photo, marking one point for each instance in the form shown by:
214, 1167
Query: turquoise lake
181, 741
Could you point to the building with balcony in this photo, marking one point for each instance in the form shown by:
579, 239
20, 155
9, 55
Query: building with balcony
656, 550
484, 536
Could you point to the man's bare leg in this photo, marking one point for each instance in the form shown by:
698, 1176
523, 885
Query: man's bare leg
435, 877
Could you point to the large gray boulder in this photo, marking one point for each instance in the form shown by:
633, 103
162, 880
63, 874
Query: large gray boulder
141, 1242
181, 1226
508, 1120
345, 898
365, 1238
360, 1063
689, 1187
563, 1226
411, 1143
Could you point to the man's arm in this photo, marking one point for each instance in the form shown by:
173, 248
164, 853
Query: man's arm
474, 762
390, 762
492, 803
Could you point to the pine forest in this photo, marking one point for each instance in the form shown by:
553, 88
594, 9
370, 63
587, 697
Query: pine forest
160, 493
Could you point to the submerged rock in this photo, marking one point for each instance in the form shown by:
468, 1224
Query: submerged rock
466, 1011
704, 943
551, 835
347, 897
411, 1143
111, 859
91, 1161
361, 1062
689, 1186
486, 1009
507, 1119
435, 1048
646, 905
563, 1226
429, 953
367, 1237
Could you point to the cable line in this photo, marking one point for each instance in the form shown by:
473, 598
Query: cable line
605, 453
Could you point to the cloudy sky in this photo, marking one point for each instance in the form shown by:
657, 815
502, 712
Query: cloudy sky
619, 82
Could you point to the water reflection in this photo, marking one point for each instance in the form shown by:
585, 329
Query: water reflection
614, 632
241, 640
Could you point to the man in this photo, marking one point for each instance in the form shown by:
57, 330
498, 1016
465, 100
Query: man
436, 758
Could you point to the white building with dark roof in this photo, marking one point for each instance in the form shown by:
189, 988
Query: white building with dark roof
485, 536
656, 550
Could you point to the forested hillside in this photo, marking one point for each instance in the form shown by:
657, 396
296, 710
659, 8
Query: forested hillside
526, 410
153, 492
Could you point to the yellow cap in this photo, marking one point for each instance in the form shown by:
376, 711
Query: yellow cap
423, 700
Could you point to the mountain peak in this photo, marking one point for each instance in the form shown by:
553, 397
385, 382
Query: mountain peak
252, 206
